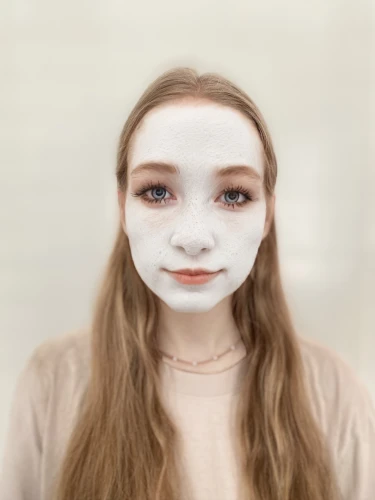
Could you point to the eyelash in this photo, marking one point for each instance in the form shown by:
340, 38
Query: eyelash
142, 190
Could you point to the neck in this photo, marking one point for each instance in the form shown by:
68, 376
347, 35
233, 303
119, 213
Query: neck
197, 337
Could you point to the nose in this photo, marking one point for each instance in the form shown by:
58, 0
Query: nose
193, 238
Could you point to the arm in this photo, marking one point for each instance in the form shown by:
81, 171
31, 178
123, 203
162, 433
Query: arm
20, 472
357, 454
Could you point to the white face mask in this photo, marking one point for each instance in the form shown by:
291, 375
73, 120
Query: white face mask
197, 223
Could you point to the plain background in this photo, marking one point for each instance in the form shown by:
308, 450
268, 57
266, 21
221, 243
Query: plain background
70, 74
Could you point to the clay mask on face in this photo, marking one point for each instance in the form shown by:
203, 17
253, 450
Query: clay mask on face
192, 219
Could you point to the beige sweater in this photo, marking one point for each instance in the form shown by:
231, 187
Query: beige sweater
50, 386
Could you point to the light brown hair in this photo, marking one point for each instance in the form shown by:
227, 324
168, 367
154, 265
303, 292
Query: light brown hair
123, 446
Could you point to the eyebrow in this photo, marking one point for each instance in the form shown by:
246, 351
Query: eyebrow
222, 173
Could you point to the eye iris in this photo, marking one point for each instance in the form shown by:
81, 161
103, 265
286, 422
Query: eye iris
232, 194
160, 190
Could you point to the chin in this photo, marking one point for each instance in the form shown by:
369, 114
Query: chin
191, 303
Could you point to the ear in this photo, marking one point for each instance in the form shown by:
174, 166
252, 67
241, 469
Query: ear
269, 215
121, 204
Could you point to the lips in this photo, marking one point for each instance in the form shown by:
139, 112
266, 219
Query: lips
193, 272
193, 276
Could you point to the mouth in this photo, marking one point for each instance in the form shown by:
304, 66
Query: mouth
192, 272
193, 276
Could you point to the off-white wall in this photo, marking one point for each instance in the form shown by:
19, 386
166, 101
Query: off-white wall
71, 72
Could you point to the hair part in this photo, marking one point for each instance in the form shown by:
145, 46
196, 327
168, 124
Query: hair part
124, 444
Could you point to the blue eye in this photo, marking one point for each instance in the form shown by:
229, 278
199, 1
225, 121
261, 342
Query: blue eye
237, 193
158, 189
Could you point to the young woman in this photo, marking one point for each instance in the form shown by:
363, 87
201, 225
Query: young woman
191, 382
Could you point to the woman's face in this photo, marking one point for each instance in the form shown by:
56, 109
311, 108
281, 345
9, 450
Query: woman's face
182, 210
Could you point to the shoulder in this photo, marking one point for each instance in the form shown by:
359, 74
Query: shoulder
56, 377
57, 361
341, 402
328, 373
42, 413
345, 412
68, 348
322, 364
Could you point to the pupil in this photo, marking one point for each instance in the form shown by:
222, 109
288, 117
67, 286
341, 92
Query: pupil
232, 195
158, 190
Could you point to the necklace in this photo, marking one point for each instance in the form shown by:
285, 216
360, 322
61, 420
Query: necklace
196, 363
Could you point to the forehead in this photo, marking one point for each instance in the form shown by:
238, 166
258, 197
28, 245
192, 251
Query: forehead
195, 134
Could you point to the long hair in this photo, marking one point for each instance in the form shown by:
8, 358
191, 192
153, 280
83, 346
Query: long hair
123, 444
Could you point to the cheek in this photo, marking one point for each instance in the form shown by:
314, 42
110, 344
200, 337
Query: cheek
144, 227
142, 218
247, 226
243, 237
147, 239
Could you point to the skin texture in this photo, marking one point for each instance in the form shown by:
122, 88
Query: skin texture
195, 223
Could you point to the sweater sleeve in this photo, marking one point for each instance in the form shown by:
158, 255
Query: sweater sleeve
20, 471
357, 453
